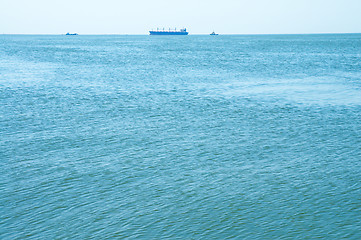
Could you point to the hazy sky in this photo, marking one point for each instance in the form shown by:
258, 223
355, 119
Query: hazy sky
199, 16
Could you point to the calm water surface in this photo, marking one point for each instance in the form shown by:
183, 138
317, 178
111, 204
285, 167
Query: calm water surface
191, 137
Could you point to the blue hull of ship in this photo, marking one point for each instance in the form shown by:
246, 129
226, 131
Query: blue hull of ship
167, 33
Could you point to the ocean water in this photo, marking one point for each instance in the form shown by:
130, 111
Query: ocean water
190, 137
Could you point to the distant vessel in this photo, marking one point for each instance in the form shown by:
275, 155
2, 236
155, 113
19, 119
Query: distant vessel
213, 33
182, 31
71, 34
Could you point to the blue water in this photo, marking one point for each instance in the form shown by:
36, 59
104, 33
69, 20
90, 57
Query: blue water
195, 137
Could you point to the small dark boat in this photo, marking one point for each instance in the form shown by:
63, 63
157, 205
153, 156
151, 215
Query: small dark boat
213, 34
71, 34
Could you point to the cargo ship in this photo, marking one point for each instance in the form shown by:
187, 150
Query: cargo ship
182, 31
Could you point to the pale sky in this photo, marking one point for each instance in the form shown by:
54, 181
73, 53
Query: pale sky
199, 16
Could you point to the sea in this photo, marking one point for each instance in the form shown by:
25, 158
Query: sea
180, 137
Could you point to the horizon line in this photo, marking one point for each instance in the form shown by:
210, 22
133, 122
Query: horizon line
146, 34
